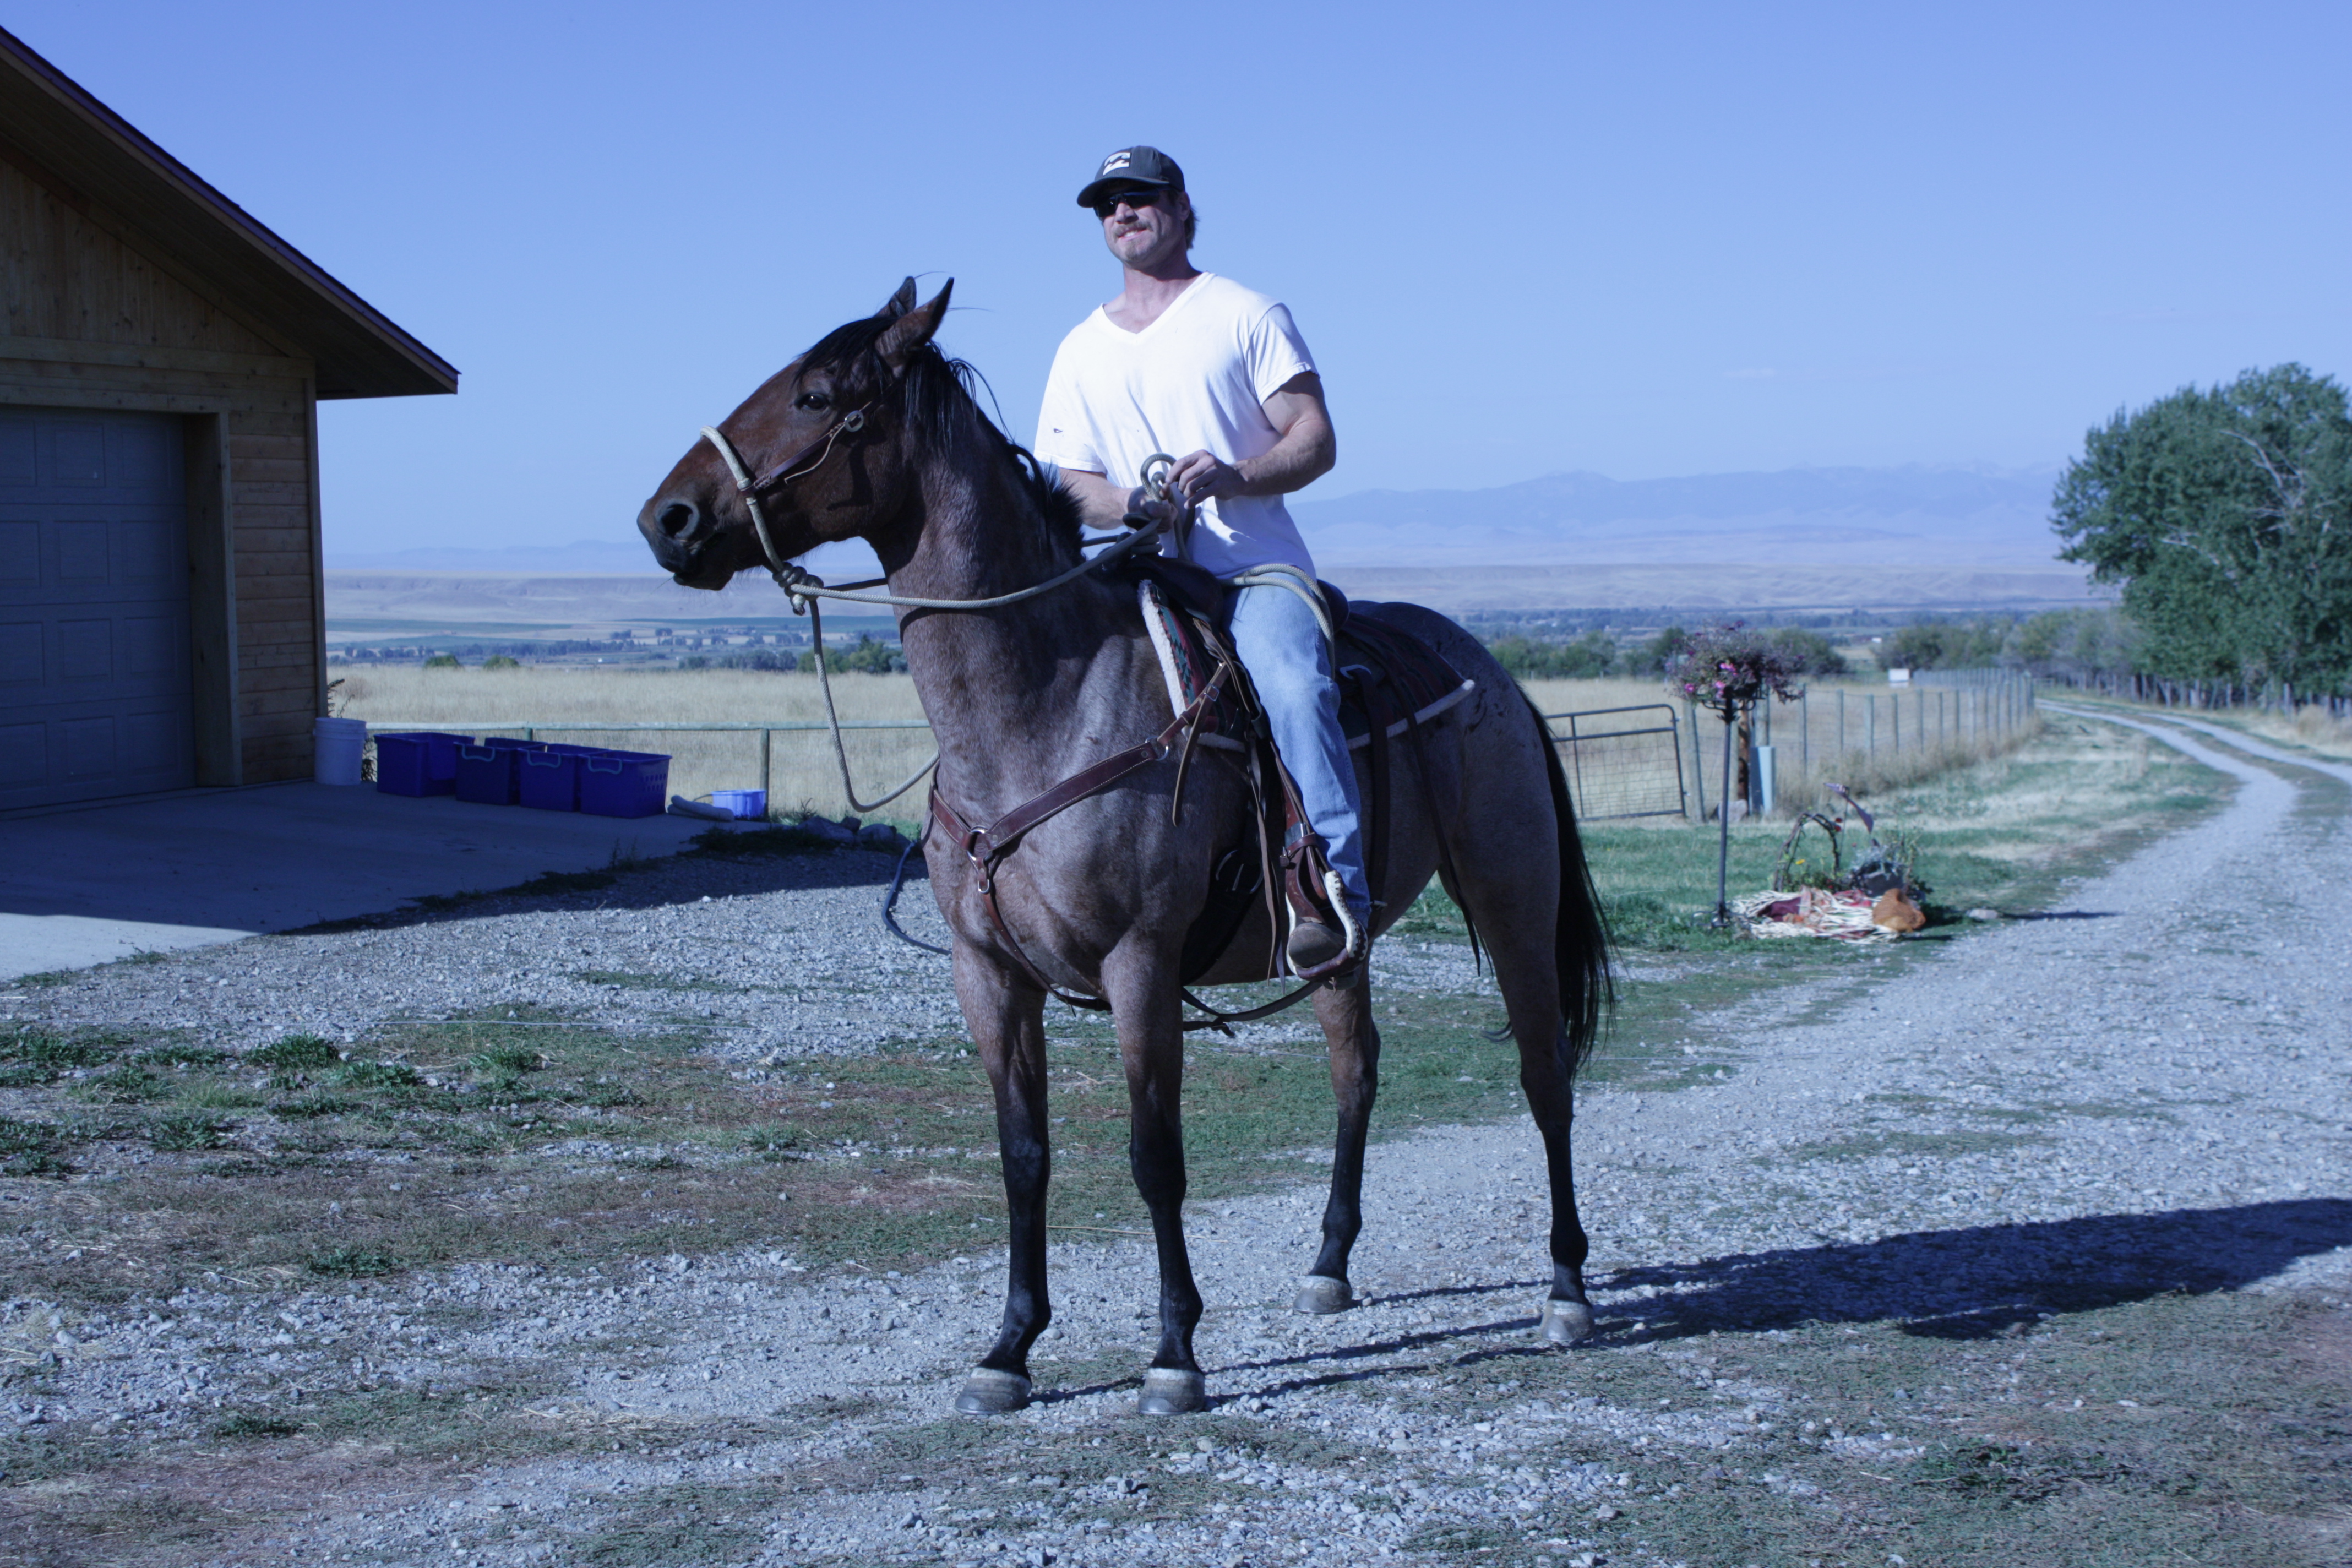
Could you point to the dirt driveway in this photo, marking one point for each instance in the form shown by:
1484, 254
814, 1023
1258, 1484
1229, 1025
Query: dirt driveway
2037, 1252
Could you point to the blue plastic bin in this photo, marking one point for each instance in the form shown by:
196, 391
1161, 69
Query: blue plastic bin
488, 773
624, 783
549, 780
418, 762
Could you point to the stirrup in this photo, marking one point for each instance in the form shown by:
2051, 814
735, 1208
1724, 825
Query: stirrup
1352, 941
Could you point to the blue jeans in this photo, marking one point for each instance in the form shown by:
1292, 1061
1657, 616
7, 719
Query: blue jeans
1281, 646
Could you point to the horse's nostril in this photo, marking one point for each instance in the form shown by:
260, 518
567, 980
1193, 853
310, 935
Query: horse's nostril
678, 519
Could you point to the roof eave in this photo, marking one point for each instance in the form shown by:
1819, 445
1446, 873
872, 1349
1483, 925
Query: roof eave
357, 350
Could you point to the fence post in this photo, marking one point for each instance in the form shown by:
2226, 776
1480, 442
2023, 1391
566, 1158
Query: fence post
1576, 754
767, 763
1805, 731
1682, 795
1699, 763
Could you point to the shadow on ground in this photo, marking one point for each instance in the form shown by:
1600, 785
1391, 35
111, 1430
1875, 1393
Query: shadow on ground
1976, 1282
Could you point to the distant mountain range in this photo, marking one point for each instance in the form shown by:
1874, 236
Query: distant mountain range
1916, 516
1805, 535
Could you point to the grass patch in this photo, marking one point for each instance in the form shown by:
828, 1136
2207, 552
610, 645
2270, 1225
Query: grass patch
695, 1522
183, 1133
355, 1263
31, 1056
382, 1074
1905, 1146
297, 1053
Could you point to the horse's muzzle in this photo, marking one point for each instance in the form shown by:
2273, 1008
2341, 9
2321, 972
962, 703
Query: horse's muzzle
681, 534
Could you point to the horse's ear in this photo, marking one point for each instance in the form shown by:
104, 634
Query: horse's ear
914, 329
898, 304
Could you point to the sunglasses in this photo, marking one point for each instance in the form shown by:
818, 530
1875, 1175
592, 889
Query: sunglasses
1143, 197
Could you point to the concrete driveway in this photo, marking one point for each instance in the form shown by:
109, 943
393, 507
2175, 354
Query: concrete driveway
97, 883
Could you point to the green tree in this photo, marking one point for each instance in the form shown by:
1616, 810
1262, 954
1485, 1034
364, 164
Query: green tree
1945, 645
1659, 652
868, 657
1592, 655
1805, 651
2227, 517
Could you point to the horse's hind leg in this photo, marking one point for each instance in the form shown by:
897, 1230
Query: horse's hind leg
1346, 1014
1007, 1023
1525, 972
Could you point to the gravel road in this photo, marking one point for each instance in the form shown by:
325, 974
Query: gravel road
2147, 1088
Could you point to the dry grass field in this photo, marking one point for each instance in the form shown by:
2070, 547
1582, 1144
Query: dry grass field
2313, 726
1863, 735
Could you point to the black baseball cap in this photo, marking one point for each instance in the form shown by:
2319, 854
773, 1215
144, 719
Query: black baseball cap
1132, 166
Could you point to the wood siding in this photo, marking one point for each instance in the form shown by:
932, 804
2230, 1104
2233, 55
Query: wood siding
93, 323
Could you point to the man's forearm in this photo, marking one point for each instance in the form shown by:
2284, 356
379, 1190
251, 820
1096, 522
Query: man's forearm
1304, 454
1101, 504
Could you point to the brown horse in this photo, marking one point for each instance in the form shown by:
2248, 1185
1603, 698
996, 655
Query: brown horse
873, 433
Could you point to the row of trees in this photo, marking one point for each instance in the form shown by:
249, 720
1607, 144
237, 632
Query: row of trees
867, 656
1596, 653
2065, 645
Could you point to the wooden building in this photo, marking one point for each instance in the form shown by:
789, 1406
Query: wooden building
162, 603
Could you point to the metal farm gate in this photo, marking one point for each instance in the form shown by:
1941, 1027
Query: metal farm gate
1622, 762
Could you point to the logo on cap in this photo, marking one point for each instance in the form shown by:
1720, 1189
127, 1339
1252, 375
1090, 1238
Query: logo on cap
1116, 161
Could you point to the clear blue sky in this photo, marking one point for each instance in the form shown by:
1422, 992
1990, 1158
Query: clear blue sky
1638, 240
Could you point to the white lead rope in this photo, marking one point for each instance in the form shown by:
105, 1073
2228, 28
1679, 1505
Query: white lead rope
804, 589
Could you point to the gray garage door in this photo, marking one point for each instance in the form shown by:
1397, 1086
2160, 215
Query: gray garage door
94, 682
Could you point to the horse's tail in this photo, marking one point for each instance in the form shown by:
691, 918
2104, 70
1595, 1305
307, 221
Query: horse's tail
1580, 935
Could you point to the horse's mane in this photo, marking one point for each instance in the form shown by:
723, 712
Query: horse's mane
937, 404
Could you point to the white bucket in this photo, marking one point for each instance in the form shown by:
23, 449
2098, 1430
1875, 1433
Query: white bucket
338, 743
1763, 780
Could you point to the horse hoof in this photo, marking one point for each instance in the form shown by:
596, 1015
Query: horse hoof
1319, 1295
1168, 1392
1566, 1323
988, 1392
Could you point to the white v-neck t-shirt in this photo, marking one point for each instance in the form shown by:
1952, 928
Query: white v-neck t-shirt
1194, 380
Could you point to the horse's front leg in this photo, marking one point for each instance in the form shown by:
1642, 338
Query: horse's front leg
1150, 1019
1346, 1014
1006, 1016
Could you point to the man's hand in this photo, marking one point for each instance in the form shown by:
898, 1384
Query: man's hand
1204, 476
1303, 451
1104, 505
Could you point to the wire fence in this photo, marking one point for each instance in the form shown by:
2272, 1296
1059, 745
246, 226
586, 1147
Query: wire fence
1645, 761
1870, 738
1620, 762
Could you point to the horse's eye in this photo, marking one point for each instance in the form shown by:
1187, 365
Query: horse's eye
815, 402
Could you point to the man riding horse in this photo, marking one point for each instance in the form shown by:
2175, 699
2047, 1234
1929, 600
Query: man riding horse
1186, 362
